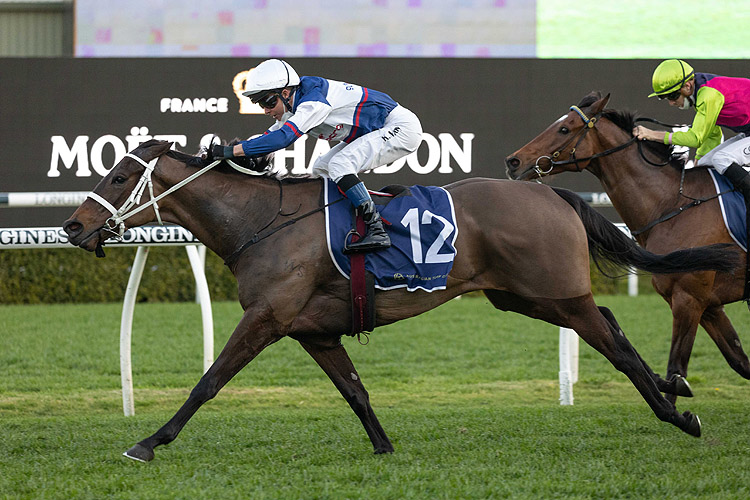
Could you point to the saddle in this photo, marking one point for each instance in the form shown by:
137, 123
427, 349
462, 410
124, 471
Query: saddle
422, 229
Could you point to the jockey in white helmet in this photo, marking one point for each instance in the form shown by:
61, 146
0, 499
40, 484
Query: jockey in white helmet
367, 128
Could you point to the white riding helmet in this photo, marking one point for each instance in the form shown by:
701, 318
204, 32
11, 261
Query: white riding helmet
273, 74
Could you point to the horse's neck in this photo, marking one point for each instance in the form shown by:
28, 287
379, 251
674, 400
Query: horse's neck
222, 211
639, 192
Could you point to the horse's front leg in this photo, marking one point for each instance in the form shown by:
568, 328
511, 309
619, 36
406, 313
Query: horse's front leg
254, 333
334, 360
720, 329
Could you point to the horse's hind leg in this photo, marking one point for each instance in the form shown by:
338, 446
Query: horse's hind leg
720, 329
676, 384
249, 338
582, 315
686, 314
601, 334
334, 360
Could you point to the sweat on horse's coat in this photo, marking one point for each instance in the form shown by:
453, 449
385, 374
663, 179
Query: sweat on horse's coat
524, 245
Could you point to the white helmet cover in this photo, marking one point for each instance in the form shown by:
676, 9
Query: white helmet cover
270, 75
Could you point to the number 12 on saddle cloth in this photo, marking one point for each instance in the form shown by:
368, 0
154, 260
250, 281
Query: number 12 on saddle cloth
423, 231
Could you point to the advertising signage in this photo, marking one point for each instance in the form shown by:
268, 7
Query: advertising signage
66, 122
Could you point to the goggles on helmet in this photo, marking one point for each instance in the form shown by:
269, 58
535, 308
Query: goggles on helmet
267, 100
672, 96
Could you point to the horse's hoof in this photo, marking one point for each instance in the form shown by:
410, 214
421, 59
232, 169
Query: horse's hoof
383, 450
681, 386
140, 453
693, 425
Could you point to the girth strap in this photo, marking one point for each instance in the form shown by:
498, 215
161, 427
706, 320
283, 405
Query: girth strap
362, 283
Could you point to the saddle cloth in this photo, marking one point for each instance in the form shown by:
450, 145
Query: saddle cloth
423, 232
732, 208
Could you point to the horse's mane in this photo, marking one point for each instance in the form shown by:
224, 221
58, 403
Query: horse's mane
627, 120
258, 163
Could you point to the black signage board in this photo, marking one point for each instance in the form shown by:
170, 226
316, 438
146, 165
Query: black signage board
64, 121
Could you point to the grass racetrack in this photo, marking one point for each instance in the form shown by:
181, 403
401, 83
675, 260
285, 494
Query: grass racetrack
468, 396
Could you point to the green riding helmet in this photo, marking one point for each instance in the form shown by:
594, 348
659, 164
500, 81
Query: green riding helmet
669, 76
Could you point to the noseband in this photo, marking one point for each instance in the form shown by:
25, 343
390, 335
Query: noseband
588, 124
116, 223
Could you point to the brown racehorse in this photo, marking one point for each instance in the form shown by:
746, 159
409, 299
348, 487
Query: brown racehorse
666, 206
525, 245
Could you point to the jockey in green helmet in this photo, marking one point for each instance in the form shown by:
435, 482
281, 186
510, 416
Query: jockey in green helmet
719, 101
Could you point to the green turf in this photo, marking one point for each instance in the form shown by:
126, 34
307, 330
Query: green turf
468, 396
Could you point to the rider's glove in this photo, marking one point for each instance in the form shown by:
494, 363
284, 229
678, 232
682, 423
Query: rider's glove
221, 152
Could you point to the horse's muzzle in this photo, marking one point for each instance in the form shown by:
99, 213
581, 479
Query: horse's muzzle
514, 170
511, 167
78, 237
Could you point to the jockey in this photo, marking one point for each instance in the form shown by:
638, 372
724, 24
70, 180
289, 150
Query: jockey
368, 128
719, 101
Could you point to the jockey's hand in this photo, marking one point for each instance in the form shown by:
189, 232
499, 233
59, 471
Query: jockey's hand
221, 152
646, 134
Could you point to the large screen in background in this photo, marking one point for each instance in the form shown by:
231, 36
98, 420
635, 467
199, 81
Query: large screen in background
309, 28
474, 112
550, 29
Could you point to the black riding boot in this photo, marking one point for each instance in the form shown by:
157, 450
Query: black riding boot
375, 237
740, 178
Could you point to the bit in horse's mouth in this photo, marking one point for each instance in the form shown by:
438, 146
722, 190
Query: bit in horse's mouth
526, 175
90, 241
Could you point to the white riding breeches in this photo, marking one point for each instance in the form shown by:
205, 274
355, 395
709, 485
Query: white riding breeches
735, 150
400, 135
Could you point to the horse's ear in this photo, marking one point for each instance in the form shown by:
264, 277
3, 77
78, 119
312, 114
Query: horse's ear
164, 146
599, 105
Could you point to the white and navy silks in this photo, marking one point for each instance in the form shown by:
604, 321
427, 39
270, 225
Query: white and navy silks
371, 129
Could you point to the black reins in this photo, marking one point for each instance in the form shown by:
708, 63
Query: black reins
694, 202
590, 123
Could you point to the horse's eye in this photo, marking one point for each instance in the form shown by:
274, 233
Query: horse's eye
564, 130
119, 179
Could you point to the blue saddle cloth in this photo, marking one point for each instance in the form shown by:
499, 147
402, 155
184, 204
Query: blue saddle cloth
732, 208
422, 229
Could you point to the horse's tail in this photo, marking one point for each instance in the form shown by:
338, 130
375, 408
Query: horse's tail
613, 252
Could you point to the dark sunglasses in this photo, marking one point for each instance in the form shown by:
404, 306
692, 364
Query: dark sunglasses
672, 96
268, 101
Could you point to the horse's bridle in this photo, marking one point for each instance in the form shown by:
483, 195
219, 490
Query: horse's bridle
116, 223
588, 124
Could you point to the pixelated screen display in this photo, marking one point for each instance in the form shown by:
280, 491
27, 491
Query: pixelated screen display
551, 29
